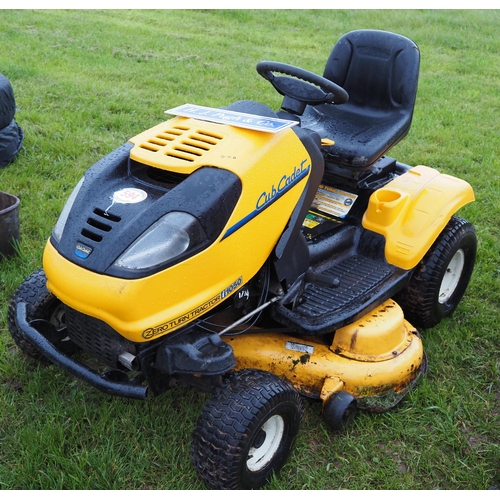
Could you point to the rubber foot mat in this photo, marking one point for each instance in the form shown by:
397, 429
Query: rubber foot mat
357, 275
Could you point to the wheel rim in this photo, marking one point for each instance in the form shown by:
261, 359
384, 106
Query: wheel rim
266, 443
452, 276
57, 317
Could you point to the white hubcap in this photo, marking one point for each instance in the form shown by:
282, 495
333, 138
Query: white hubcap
452, 276
266, 443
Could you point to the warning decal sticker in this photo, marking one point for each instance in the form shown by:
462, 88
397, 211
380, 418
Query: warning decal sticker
333, 201
318, 223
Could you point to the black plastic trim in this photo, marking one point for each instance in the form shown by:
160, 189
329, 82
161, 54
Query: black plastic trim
82, 372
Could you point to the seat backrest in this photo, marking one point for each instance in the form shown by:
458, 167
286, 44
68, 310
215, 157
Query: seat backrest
378, 69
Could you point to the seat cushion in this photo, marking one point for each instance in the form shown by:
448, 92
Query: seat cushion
379, 70
360, 138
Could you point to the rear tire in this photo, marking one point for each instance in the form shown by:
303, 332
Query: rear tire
441, 278
246, 430
41, 306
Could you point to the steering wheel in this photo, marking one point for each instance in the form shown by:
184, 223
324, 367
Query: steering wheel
301, 87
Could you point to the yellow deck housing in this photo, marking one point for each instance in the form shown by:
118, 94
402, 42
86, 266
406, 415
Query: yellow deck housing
375, 357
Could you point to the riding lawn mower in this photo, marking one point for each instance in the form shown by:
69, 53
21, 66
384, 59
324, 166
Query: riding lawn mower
263, 257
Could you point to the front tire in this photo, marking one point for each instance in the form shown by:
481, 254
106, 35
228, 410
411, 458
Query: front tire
246, 430
441, 278
41, 308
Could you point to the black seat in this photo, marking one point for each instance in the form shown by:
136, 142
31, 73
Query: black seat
379, 70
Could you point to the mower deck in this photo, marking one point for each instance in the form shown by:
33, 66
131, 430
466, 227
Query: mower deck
378, 358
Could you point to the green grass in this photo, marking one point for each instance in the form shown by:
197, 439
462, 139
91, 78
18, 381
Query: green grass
86, 81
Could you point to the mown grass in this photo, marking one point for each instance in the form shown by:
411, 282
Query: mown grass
86, 81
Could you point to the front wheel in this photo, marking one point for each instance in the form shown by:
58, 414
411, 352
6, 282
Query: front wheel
441, 278
246, 430
43, 310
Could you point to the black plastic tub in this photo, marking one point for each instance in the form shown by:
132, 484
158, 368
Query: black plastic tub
9, 224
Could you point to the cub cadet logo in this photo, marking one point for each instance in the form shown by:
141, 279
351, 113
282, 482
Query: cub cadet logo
284, 184
186, 318
267, 198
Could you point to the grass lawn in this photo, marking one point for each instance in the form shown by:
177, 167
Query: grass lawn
86, 81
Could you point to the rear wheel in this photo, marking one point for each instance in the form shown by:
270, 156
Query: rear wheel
441, 278
246, 430
44, 311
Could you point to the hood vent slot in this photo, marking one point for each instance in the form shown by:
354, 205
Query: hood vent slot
107, 215
99, 225
181, 143
166, 178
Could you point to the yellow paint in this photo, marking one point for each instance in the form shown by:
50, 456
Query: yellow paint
331, 385
146, 308
318, 369
326, 142
378, 336
412, 210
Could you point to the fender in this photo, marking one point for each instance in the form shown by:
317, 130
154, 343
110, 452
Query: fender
412, 210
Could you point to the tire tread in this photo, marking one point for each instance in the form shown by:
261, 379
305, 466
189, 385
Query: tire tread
216, 449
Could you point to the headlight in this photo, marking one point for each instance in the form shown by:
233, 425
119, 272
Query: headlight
166, 239
61, 222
